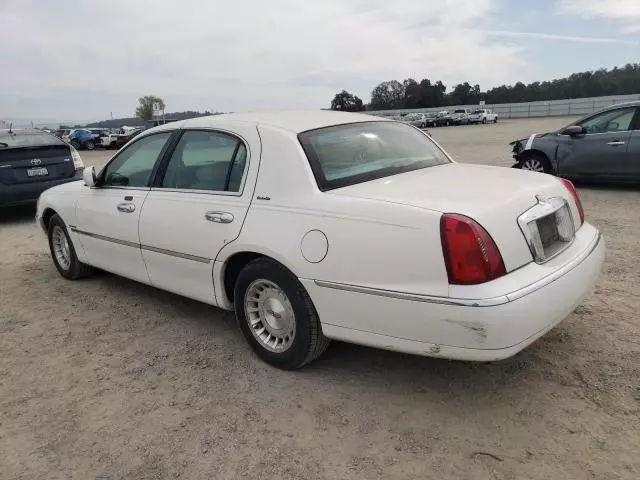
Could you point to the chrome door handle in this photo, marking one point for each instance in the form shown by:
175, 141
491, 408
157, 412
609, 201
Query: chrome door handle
615, 143
127, 207
219, 217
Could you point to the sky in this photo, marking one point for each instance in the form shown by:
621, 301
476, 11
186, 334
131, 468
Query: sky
78, 60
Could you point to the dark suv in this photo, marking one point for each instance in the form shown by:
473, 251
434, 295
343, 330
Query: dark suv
32, 161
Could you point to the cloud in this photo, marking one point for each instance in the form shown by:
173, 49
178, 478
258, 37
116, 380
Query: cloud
626, 12
557, 37
243, 54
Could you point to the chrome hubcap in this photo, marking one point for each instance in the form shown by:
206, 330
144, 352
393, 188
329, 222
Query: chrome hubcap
533, 165
61, 247
270, 315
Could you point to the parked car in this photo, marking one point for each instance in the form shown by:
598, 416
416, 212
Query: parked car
124, 137
421, 120
117, 140
603, 146
82, 139
443, 118
61, 132
97, 134
32, 161
460, 116
483, 115
329, 225
109, 140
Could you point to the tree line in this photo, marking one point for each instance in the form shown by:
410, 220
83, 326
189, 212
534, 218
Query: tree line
410, 93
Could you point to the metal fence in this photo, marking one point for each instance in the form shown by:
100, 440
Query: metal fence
575, 106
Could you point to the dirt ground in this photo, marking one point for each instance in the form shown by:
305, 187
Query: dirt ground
108, 379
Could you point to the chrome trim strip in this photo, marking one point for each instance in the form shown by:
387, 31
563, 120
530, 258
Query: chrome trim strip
200, 192
171, 253
149, 248
469, 302
126, 243
460, 302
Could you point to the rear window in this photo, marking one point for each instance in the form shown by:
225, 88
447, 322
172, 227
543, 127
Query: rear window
21, 139
459, 111
358, 152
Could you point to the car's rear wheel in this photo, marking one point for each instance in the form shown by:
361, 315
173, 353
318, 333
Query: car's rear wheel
63, 252
90, 145
484, 120
495, 120
535, 162
277, 316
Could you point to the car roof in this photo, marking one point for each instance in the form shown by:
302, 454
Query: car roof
295, 121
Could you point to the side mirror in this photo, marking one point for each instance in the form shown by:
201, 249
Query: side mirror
573, 130
89, 176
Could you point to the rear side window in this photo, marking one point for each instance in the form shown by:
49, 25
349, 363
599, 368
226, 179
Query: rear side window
358, 152
206, 160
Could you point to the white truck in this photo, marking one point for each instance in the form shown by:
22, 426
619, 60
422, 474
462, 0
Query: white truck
483, 115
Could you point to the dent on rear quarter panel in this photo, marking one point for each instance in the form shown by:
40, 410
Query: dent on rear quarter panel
371, 243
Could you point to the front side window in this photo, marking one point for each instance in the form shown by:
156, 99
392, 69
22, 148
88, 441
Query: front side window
133, 166
206, 160
611, 121
358, 152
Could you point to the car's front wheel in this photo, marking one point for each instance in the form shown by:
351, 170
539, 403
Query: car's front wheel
535, 162
63, 253
90, 145
277, 316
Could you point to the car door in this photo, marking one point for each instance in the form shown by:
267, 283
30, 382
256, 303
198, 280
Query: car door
601, 151
107, 215
196, 206
632, 170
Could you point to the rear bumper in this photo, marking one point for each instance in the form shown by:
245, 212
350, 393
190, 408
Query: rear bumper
483, 330
27, 193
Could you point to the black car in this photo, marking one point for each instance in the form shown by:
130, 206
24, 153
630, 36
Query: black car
604, 146
32, 161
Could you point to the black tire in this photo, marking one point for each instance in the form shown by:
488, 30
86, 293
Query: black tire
484, 120
90, 145
308, 341
76, 269
75, 144
495, 120
535, 162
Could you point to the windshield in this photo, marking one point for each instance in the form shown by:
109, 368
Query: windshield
19, 139
358, 152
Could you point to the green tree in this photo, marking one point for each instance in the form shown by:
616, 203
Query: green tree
346, 102
387, 95
145, 106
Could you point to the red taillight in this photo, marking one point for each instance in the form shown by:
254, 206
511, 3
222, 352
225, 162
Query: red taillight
470, 254
576, 197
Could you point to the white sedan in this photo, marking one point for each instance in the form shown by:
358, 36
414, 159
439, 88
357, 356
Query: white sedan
325, 225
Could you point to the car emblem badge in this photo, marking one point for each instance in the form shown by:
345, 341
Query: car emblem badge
36, 161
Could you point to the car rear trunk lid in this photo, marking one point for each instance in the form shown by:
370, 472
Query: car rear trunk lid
35, 164
495, 197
